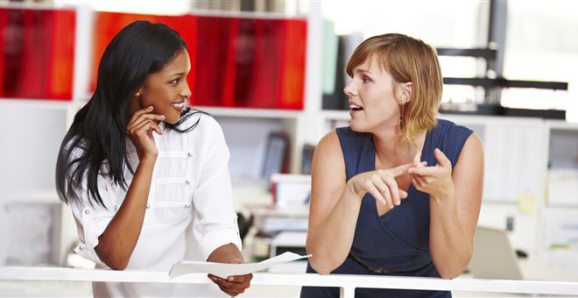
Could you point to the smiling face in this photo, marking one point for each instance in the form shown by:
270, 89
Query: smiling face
167, 90
373, 98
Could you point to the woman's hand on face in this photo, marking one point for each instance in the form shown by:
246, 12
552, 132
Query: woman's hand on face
233, 285
139, 129
435, 180
381, 184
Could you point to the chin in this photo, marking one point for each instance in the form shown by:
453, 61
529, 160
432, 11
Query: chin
357, 128
172, 121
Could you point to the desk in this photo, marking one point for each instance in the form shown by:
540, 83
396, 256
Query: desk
348, 283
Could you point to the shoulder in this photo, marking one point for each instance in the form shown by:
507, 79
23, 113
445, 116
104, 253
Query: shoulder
449, 127
327, 158
329, 142
202, 124
200, 120
450, 132
450, 138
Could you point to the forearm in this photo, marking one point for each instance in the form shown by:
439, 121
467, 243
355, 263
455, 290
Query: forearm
330, 241
228, 253
450, 248
119, 239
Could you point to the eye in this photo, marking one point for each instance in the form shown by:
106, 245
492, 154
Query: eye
365, 79
175, 81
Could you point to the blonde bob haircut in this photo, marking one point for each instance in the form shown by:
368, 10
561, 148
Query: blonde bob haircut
407, 60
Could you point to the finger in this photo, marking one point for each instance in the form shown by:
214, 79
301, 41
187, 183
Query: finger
140, 112
240, 278
415, 184
233, 293
382, 188
442, 159
424, 171
374, 192
237, 288
400, 170
392, 185
144, 117
148, 126
378, 182
139, 123
402, 194
419, 180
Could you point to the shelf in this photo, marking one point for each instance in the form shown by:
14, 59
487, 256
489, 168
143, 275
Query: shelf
36, 103
562, 125
250, 113
505, 83
336, 115
477, 53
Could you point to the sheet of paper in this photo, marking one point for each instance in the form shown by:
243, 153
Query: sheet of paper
224, 270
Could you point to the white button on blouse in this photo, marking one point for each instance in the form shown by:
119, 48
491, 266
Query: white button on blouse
191, 171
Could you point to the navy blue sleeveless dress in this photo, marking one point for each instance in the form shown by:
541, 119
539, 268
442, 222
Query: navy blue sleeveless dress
399, 240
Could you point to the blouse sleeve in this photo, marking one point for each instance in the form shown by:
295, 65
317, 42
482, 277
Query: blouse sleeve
91, 218
215, 221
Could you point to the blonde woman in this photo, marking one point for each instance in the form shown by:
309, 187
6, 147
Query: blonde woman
399, 191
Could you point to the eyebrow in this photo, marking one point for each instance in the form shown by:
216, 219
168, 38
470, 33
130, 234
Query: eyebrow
178, 74
362, 71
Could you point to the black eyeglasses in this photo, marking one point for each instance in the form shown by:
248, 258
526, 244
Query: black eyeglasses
366, 266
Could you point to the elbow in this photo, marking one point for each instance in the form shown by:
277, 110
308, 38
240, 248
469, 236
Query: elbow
450, 274
118, 266
451, 271
113, 261
319, 267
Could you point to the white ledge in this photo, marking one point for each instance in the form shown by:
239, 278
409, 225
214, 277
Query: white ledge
347, 282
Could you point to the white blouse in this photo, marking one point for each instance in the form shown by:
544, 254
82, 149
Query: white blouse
189, 212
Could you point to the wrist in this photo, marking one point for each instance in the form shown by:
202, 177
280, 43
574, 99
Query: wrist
445, 197
148, 159
354, 191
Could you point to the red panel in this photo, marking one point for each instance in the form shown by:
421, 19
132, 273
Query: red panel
235, 62
37, 53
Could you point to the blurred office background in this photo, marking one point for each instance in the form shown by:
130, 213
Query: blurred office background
271, 72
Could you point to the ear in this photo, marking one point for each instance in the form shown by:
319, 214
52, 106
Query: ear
405, 92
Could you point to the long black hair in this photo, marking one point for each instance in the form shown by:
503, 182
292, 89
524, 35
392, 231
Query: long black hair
98, 133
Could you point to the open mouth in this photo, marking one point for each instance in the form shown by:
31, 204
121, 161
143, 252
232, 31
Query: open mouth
355, 108
178, 105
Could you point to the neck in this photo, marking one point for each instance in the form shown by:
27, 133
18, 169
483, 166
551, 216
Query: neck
392, 150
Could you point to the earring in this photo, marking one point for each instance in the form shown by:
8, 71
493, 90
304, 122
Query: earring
137, 94
401, 111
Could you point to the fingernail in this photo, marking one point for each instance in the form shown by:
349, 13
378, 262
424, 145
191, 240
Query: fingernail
230, 279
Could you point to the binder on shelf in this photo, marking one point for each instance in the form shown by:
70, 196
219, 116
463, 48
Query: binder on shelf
37, 53
291, 191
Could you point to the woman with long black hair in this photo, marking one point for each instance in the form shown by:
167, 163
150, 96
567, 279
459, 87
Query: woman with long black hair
146, 177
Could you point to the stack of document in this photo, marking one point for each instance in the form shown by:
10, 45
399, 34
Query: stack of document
224, 270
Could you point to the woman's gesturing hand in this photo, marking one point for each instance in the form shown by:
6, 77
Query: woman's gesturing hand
139, 129
381, 184
435, 180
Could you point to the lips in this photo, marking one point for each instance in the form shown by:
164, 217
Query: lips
179, 106
354, 107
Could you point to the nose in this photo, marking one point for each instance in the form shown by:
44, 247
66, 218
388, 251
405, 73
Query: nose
349, 89
186, 92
